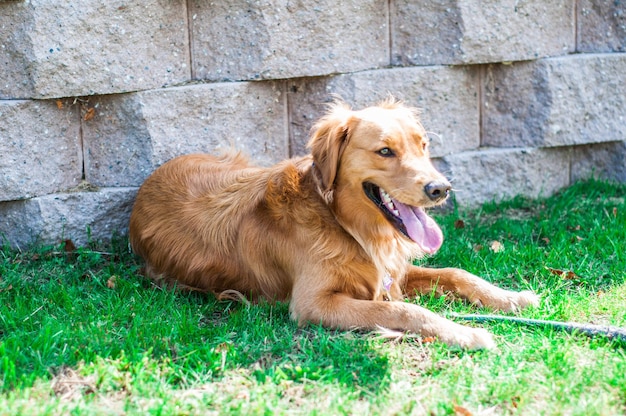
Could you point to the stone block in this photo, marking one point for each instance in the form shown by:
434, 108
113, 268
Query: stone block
601, 26
79, 216
271, 39
474, 31
58, 48
132, 134
496, 174
603, 160
40, 148
446, 96
577, 99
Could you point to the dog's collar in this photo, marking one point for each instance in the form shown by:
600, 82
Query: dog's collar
387, 282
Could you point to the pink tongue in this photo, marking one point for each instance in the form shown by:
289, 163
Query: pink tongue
420, 227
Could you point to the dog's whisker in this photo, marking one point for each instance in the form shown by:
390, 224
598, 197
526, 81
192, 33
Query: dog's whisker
437, 136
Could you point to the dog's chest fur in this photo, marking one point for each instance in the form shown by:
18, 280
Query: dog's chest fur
359, 256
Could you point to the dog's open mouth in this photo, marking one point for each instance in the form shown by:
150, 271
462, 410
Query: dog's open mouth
412, 221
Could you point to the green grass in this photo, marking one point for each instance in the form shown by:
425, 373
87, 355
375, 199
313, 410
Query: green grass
82, 333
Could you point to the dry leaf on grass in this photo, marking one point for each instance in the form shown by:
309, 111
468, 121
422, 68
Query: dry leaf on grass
68, 384
496, 246
111, 282
69, 246
461, 411
565, 274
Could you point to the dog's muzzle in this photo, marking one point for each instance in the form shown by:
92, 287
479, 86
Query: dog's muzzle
437, 191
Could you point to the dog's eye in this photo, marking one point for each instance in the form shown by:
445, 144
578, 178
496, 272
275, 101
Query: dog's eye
386, 152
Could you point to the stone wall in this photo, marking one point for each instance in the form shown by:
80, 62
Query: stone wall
520, 97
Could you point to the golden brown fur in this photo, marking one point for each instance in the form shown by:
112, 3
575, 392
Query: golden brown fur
305, 231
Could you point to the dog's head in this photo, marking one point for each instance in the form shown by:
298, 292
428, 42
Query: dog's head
379, 157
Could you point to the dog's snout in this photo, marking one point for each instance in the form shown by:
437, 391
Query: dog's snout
437, 190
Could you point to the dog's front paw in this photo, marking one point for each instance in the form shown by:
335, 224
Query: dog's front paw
506, 300
476, 339
516, 301
527, 298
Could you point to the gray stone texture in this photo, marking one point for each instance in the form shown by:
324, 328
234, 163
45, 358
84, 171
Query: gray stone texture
475, 31
448, 99
601, 26
59, 48
496, 174
132, 134
76, 216
603, 160
576, 99
270, 39
40, 148
146, 85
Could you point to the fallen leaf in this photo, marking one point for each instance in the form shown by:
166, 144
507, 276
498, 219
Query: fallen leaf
615, 212
565, 274
515, 402
462, 411
428, 340
59, 104
546, 240
89, 114
69, 246
477, 247
458, 224
223, 347
111, 282
496, 246
6, 289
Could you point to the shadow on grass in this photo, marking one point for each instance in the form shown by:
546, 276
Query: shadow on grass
59, 311
265, 340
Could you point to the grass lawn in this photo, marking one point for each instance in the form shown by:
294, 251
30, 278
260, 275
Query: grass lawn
81, 332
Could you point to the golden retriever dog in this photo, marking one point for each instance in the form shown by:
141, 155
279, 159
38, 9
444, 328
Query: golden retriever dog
333, 232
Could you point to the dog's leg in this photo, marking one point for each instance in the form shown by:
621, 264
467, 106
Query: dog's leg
343, 312
467, 286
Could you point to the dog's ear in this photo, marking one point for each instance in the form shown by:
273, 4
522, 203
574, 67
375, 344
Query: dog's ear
328, 141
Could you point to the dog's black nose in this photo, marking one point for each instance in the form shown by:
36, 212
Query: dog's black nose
437, 191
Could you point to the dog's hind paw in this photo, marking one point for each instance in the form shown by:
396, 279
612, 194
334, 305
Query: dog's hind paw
469, 338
